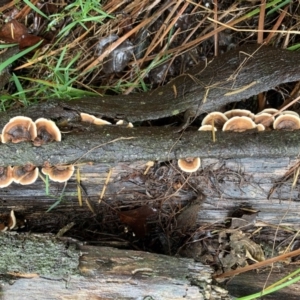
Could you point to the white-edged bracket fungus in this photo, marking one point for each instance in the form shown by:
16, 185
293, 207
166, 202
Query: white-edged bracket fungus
25, 175
215, 118
271, 111
92, 119
47, 132
287, 122
189, 164
59, 173
19, 129
239, 113
6, 176
290, 112
265, 119
239, 124
8, 222
207, 128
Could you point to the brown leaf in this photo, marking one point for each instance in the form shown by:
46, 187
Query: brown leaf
137, 219
13, 31
28, 40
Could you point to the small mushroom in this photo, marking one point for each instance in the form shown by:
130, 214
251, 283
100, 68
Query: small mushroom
207, 128
286, 122
47, 132
25, 175
264, 119
59, 173
6, 177
239, 113
215, 118
19, 129
239, 124
189, 164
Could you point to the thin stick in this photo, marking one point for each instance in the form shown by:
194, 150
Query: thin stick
105, 184
78, 186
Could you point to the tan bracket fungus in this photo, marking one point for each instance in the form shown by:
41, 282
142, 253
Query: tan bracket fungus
19, 129
25, 175
92, 119
189, 164
287, 122
47, 132
217, 119
6, 176
239, 113
59, 173
239, 124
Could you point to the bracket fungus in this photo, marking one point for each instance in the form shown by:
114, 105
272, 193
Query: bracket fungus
217, 119
47, 132
25, 175
239, 113
8, 222
207, 128
59, 173
265, 119
287, 122
189, 164
92, 119
19, 129
6, 176
239, 124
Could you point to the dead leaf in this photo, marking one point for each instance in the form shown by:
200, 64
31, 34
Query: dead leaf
137, 219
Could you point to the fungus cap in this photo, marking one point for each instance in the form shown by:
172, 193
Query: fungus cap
9, 222
189, 164
87, 118
287, 122
207, 128
260, 127
265, 119
290, 112
6, 176
271, 111
19, 129
25, 175
216, 118
59, 173
239, 113
239, 124
47, 132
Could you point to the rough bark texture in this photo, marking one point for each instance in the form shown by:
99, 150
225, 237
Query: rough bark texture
102, 272
113, 144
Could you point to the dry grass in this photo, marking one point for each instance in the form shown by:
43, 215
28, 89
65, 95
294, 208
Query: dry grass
150, 42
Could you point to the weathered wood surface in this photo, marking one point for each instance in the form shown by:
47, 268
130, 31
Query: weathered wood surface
113, 144
55, 271
226, 184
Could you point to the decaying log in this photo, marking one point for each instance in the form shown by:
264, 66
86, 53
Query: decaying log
113, 144
231, 77
43, 267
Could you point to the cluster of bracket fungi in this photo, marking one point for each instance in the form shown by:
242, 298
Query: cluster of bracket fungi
42, 131
240, 120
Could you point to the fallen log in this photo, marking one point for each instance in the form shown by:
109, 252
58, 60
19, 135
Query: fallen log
33, 264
